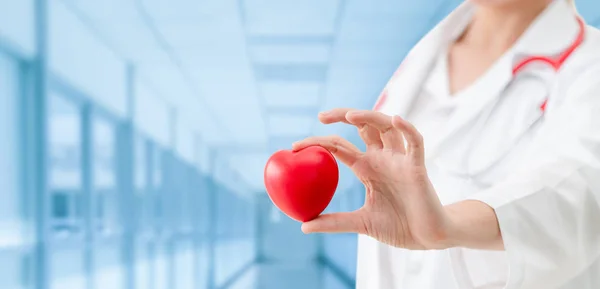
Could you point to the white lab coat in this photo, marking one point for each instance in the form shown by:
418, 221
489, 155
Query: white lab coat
539, 169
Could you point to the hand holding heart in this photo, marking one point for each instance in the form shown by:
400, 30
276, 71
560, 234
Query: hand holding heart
401, 206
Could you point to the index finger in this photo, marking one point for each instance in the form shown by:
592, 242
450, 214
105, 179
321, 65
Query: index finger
373, 118
335, 115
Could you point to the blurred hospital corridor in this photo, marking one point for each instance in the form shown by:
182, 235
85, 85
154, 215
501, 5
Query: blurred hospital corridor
134, 135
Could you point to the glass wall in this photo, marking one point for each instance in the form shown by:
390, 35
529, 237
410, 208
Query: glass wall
16, 234
65, 166
120, 120
67, 200
105, 194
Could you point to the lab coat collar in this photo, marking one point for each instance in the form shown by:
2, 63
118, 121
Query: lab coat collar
407, 82
551, 33
540, 39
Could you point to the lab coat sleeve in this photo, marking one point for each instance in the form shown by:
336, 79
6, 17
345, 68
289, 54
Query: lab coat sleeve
549, 208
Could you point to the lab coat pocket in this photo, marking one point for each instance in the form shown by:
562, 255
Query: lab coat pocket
507, 130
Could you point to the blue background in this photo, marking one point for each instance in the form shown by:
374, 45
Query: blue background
133, 135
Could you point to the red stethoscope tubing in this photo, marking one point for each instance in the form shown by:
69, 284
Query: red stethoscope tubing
555, 62
558, 61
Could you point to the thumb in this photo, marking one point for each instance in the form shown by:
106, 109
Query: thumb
347, 222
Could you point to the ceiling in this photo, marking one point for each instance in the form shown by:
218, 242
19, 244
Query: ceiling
253, 74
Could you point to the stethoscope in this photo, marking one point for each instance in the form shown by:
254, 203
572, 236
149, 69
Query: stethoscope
555, 63
475, 179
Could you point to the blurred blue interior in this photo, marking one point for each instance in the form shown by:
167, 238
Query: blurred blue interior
133, 135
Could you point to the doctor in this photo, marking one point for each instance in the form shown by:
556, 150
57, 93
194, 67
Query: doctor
482, 167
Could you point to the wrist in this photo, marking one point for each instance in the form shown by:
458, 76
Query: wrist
452, 226
472, 224
446, 233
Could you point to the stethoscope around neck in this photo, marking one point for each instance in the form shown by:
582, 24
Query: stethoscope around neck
518, 69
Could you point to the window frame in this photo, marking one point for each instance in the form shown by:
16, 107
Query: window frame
119, 198
28, 205
78, 230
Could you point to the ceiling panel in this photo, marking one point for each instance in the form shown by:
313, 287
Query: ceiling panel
356, 86
214, 56
282, 125
290, 54
105, 10
370, 54
290, 17
381, 29
286, 50
148, 56
128, 31
404, 21
171, 86
376, 7
123, 29
392, 8
182, 11
231, 93
291, 40
203, 33
286, 72
291, 94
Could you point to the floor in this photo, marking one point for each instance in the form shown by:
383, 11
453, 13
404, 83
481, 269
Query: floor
288, 276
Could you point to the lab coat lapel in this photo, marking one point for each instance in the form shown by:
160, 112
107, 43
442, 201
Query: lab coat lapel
470, 109
534, 42
524, 100
407, 82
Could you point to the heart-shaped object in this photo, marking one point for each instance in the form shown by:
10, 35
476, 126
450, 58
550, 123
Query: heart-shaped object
302, 183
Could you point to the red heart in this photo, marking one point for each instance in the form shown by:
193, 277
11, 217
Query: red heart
301, 184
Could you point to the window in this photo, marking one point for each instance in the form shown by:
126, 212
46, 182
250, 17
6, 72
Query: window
104, 189
142, 195
161, 268
204, 195
184, 265
157, 188
15, 228
109, 271
11, 220
143, 202
68, 268
143, 266
172, 198
185, 198
65, 165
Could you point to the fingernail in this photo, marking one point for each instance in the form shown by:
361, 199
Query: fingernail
323, 113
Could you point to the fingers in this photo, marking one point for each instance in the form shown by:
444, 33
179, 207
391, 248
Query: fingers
342, 149
414, 139
379, 130
368, 134
388, 135
334, 116
347, 222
